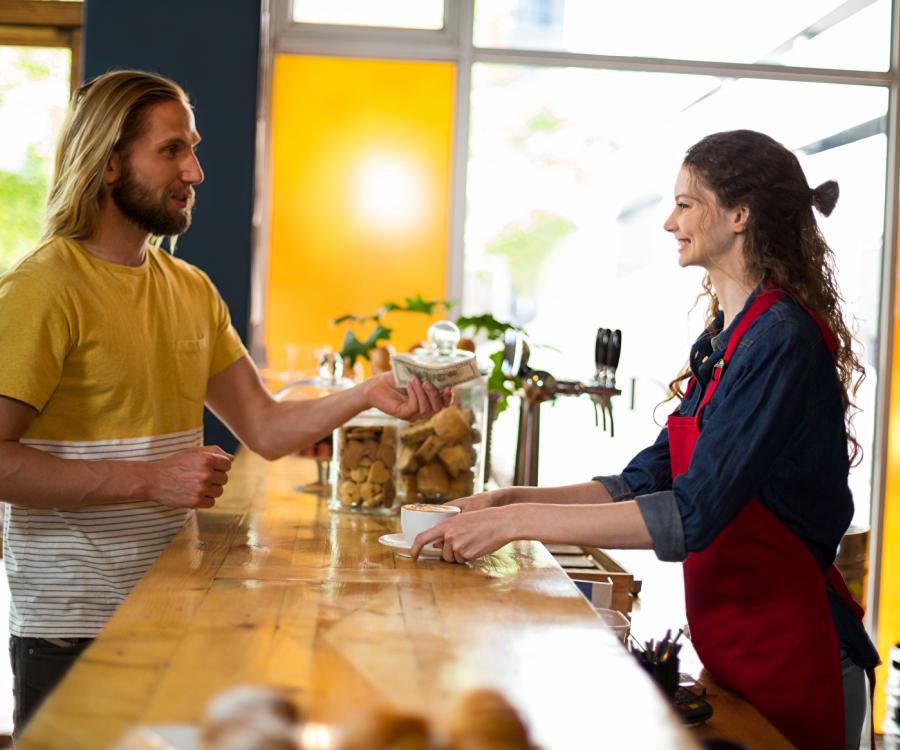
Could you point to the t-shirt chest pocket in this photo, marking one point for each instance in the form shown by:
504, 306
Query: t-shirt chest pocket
192, 368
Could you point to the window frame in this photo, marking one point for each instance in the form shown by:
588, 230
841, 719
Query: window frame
45, 23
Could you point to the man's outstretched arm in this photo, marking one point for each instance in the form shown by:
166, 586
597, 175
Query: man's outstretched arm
275, 428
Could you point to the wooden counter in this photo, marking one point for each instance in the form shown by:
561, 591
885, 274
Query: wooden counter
270, 587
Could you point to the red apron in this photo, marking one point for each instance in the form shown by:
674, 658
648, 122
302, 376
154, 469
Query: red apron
756, 602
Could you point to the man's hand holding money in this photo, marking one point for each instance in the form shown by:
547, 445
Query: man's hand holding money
418, 400
442, 374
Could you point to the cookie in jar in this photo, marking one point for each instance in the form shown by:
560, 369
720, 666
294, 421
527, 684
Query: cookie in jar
439, 459
365, 464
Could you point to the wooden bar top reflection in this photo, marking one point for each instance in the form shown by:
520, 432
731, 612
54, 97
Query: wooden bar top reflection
270, 587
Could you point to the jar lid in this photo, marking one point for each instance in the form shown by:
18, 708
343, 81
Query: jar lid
443, 336
372, 416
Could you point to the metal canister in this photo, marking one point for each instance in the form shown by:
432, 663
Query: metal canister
891, 724
853, 561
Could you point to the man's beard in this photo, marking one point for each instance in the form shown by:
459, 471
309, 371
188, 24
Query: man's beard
135, 201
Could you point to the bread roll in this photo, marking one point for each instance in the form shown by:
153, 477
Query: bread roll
387, 730
250, 717
484, 720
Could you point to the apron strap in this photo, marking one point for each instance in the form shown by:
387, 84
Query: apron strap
769, 295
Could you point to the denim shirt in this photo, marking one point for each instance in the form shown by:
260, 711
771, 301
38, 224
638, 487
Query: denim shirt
773, 430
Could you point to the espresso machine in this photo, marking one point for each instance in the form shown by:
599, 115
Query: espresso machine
539, 386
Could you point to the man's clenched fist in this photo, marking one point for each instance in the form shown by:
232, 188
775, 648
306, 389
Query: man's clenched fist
191, 479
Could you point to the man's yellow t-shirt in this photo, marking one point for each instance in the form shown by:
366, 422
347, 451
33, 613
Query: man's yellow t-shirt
116, 360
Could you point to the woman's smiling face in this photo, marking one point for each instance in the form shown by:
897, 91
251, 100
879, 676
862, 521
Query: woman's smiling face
707, 233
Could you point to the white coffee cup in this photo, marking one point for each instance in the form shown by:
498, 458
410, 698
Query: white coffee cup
418, 517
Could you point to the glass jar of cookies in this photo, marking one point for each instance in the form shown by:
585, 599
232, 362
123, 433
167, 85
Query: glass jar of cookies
442, 458
364, 464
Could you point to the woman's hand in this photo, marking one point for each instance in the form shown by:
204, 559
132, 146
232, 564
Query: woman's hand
468, 536
481, 501
417, 401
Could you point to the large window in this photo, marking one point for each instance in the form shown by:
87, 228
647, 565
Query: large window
570, 180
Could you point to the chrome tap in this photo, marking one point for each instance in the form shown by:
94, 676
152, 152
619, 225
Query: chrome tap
539, 386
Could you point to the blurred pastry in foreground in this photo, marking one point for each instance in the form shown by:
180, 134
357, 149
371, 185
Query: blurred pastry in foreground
250, 717
485, 720
388, 730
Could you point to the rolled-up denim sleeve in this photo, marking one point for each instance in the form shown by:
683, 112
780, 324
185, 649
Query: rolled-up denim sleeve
617, 487
651, 469
663, 518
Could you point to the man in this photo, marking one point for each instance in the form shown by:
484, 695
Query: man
109, 348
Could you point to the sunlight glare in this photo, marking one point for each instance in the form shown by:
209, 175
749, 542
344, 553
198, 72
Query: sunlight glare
389, 192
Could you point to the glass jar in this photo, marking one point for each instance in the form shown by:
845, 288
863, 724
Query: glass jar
329, 380
365, 461
442, 458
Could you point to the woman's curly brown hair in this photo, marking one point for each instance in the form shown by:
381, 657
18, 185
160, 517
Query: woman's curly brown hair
782, 243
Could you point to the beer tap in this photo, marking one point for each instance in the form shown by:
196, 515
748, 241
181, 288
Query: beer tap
539, 386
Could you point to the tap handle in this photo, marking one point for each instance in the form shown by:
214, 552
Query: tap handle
601, 349
615, 349
515, 355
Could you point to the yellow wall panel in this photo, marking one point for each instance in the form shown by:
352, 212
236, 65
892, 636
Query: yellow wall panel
889, 598
360, 196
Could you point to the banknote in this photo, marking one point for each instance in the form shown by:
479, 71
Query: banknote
441, 374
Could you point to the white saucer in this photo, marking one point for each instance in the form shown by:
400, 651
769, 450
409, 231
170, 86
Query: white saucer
397, 542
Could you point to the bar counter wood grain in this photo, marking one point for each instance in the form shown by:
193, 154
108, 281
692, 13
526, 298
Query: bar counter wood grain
270, 587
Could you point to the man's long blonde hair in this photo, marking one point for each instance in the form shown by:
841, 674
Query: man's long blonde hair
106, 115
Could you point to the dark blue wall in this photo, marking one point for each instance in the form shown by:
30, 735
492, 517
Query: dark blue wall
211, 48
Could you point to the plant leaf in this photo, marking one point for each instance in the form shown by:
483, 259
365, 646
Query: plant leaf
353, 348
488, 323
498, 383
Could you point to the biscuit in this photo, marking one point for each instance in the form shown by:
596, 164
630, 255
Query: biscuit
415, 434
432, 481
351, 454
450, 425
386, 453
455, 458
406, 459
429, 449
348, 493
379, 473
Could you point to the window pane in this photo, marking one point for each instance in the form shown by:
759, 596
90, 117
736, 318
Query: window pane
567, 195
824, 33
34, 93
398, 14
360, 197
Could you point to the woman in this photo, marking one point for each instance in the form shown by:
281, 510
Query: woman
748, 483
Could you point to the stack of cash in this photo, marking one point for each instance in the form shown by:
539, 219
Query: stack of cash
440, 373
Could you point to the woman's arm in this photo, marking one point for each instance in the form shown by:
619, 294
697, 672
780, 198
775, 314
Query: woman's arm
586, 493
472, 535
